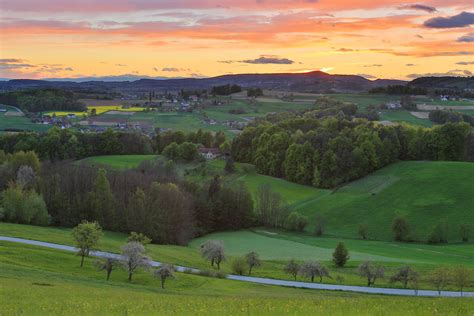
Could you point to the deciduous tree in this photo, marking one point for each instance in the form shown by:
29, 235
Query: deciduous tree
86, 236
165, 271
213, 250
370, 272
134, 258
340, 255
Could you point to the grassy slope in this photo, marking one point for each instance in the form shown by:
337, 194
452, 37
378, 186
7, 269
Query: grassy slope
424, 192
40, 281
276, 249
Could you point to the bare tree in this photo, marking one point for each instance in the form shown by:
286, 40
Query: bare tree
253, 260
312, 269
107, 264
271, 210
405, 275
292, 268
86, 235
134, 258
440, 278
25, 176
164, 272
462, 277
371, 272
213, 250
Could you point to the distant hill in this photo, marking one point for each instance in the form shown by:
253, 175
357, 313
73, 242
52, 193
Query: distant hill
458, 83
315, 81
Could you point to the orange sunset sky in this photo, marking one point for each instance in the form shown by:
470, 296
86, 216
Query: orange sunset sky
197, 38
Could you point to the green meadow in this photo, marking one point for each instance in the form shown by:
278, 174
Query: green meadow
38, 281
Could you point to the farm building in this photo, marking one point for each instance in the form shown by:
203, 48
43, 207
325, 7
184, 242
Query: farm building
209, 153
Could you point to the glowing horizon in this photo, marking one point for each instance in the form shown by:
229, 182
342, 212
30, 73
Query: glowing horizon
195, 38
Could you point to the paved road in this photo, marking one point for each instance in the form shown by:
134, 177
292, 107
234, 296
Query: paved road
305, 285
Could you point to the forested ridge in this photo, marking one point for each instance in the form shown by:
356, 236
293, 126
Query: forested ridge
319, 148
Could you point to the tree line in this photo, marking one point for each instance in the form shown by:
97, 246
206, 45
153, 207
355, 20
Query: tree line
326, 151
150, 199
38, 100
62, 144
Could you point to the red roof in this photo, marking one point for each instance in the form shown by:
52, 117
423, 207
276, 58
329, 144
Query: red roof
214, 151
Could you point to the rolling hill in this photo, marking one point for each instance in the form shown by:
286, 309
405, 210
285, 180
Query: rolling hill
315, 81
425, 193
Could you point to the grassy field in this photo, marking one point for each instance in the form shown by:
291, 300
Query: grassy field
423, 192
41, 281
19, 122
276, 248
404, 116
117, 161
426, 193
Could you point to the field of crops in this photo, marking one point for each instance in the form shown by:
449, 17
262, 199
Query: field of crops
41, 281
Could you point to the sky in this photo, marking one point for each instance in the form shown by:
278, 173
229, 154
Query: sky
398, 39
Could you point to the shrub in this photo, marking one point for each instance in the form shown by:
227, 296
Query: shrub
340, 255
439, 234
363, 231
239, 265
400, 229
296, 222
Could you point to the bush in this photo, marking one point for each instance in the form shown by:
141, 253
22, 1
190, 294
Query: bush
439, 234
296, 222
24, 207
363, 231
239, 265
400, 229
340, 255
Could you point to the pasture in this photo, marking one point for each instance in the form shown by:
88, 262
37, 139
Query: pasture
425, 193
275, 249
43, 281
117, 161
16, 122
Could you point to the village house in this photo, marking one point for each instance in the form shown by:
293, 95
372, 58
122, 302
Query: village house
209, 153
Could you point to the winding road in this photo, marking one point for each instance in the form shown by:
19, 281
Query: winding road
304, 285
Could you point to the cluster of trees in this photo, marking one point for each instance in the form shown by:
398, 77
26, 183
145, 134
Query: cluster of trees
61, 144
333, 150
402, 231
312, 269
207, 139
254, 92
440, 278
399, 90
226, 89
444, 116
18, 178
150, 199
38, 100
185, 151
133, 258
